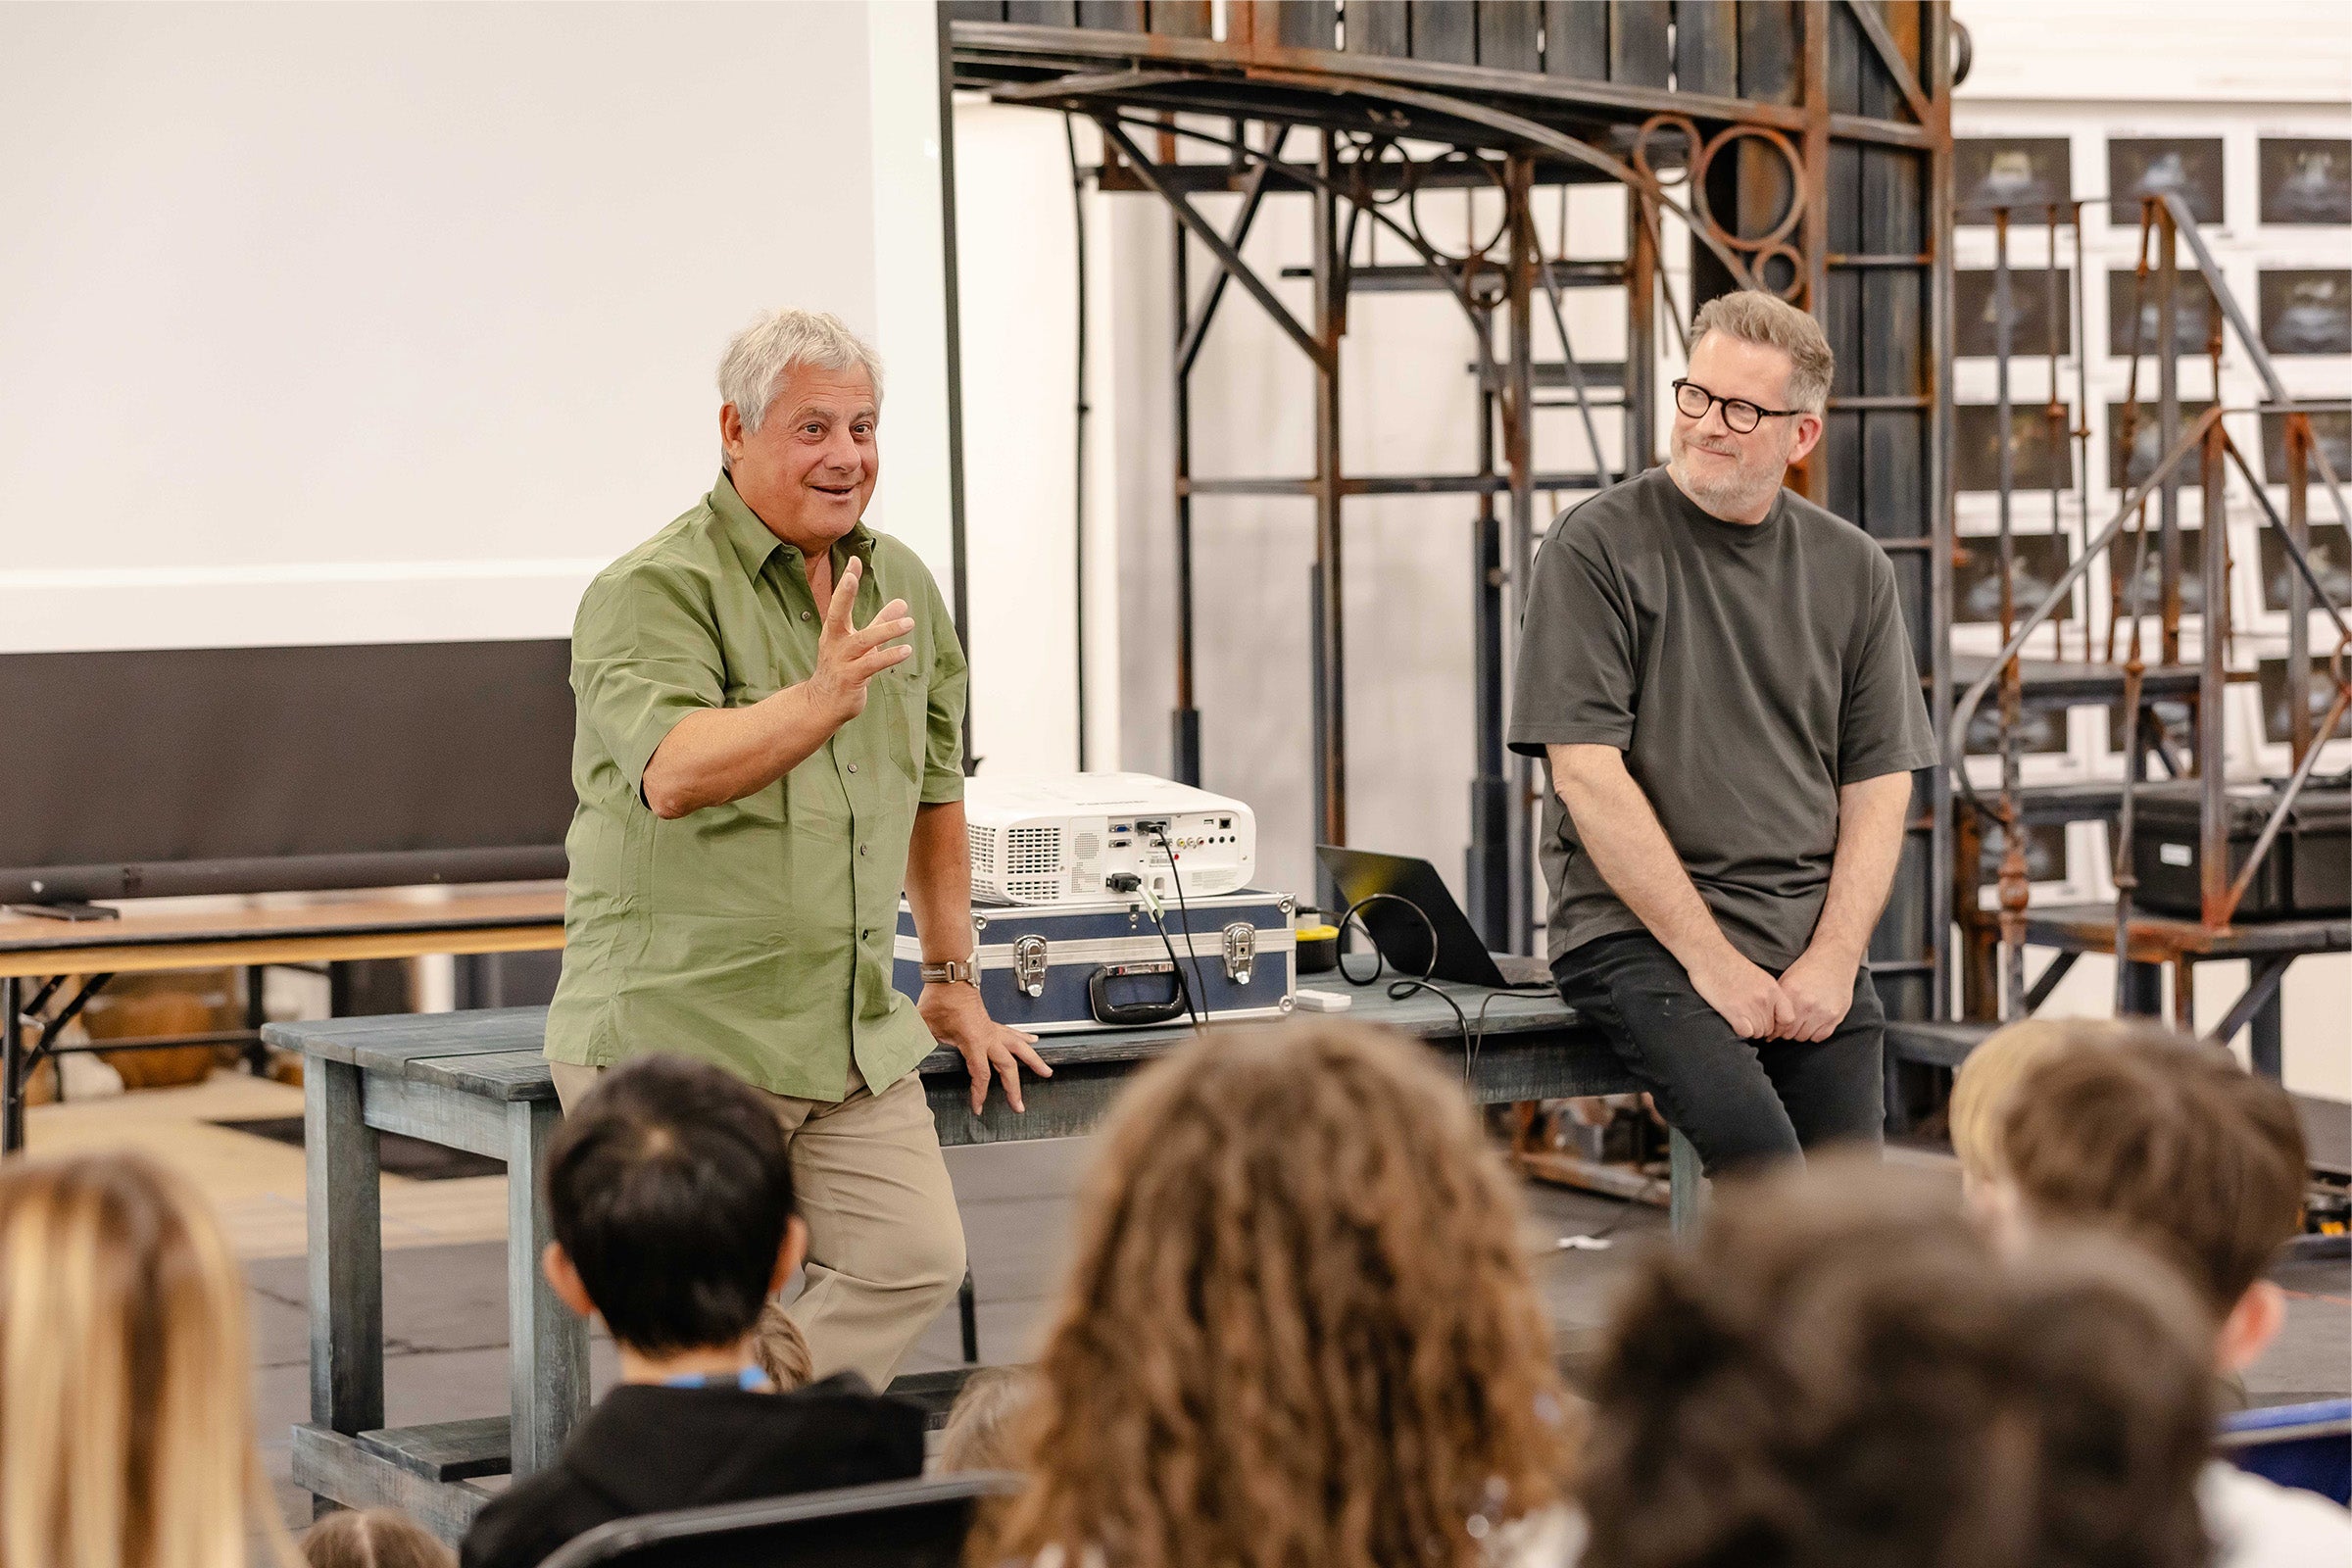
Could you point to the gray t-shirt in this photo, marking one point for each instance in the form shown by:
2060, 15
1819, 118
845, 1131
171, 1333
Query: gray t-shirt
1746, 672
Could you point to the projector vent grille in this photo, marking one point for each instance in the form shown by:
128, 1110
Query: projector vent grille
1033, 851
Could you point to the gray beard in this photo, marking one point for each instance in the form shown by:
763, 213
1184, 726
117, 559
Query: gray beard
1727, 501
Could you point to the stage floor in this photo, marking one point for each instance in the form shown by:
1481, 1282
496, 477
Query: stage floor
445, 1272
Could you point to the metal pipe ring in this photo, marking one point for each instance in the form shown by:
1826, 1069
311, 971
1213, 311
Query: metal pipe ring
1796, 186
1692, 143
1413, 207
1770, 252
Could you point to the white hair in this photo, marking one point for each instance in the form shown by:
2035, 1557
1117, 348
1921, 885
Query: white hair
763, 354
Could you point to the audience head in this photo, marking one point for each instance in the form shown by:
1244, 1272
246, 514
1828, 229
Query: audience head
1986, 1083
983, 1424
781, 1349
671, 1200
1844, 1372
1298, 1327
2168, 1141
127, 1435
373, 1537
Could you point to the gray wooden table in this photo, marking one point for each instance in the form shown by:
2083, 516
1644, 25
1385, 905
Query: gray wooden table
476, 1081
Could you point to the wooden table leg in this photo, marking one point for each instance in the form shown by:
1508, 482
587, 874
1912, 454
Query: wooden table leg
344, 1206
546, 1345
1687, 1186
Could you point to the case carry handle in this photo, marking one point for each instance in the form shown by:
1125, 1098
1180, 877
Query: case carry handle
1128, 1013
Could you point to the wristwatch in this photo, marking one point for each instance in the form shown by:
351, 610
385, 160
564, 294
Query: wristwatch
954, 972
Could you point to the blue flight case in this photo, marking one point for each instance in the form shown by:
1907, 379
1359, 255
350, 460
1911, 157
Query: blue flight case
1056, 968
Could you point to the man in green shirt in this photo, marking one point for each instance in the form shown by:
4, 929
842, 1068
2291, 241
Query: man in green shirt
770, 747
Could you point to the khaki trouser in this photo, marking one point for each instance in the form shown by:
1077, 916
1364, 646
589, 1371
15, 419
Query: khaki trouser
885, 1240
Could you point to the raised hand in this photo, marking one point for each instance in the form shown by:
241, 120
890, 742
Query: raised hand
847, 657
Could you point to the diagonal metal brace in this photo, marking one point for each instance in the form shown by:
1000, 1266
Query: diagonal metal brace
1206, 232
51, 1028
2261, 986
1891, 57
1196, 330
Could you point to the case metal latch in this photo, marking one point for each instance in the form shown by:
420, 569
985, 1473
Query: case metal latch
1241, 951
1029, 965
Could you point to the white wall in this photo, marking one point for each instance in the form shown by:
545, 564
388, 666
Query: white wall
393, 323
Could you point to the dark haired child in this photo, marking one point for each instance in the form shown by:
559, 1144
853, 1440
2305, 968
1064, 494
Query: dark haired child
671, 1200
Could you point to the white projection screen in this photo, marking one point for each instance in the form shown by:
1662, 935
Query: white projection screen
340, 346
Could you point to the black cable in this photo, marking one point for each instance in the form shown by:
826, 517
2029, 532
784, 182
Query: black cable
1186, 909
1183, 990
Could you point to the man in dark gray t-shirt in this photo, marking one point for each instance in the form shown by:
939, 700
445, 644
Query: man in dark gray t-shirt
1718, 674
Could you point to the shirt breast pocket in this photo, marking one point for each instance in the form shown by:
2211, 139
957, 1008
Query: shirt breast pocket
902, 699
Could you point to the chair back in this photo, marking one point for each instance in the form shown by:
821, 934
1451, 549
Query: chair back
891, 1524
2305, 1445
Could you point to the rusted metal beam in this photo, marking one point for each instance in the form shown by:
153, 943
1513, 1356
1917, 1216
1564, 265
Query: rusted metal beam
1206, 232
2213, 823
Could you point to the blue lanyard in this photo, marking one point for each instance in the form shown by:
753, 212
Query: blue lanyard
750, 1378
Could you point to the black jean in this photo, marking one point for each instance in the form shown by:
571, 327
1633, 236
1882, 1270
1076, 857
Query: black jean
1738, 1100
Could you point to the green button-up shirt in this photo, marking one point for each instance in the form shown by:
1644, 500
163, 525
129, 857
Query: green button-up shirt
758, 934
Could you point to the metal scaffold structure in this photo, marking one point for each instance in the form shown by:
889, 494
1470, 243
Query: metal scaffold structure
2170, 704
1801, 148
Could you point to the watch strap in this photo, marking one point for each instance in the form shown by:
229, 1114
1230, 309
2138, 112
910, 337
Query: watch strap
953, 972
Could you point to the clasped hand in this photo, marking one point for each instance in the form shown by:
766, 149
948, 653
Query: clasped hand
1808, 1003
849, 657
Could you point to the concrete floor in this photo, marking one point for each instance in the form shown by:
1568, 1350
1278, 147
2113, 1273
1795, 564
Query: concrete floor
445, 1306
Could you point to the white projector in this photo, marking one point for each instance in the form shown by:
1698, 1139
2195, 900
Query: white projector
1060, 838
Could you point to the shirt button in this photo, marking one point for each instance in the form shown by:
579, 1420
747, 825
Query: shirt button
852, 768
861, 849
805, 614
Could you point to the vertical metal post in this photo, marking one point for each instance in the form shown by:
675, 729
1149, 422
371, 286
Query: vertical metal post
1185, 722
959, 597
1331, 714
2054, 410
2212, 828
2298, 592
1490, 868
1518, 451
2168, 430
2015, 891
1641, 340
1940, 889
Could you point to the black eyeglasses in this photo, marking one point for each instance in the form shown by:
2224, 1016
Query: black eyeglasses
1739, 415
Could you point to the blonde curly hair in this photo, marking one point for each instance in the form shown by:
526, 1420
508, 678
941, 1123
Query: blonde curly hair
1300, 1330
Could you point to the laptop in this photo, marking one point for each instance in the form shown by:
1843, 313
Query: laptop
1399, 935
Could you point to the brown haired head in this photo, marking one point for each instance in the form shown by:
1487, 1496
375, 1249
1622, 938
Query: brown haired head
2169, 1139
1843, 1372
373, 1537
1298, 1327
983, 1425
1986, 1082
125, 1374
